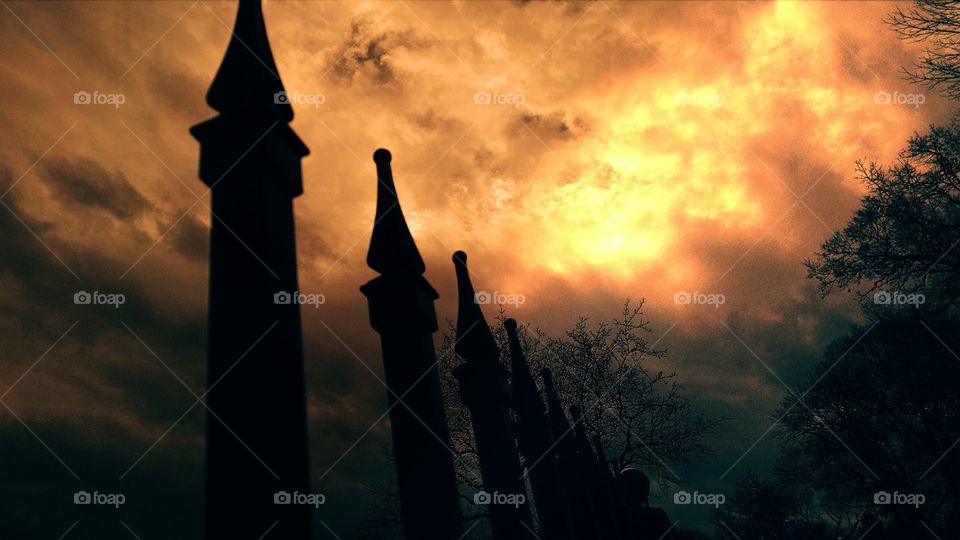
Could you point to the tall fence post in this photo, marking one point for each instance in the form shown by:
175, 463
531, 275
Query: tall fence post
256, 443
402, 312
483, 386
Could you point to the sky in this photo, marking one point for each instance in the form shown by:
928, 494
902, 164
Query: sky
580, 153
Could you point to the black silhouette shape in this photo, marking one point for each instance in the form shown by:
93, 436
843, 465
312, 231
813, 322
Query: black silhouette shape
256, 450
603, 487
392, 249
401, 311
536, 445
483, 386
248, 82
601, 507
577, 471
638, 521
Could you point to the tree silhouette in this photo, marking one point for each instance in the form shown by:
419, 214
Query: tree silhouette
882, 415
770, 510
938, 22
904, 236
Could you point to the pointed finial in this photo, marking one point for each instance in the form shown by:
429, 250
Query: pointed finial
475, 341
392, 248
248, 82
601, 456
577, 416
518, 362
558, 420
524, 389
553, 399
598, 448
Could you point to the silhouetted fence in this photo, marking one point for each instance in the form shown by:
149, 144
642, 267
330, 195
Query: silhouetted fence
544, 476
534, 458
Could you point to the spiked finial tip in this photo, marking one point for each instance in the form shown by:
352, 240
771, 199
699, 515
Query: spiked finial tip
526, 396
248, 83
553, 399
474, 339
392, 248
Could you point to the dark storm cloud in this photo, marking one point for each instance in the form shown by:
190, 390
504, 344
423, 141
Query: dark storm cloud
98, 399
40, 292
191, 237
365, 50
85, 183
165, 484
600, 82
18, 239
555, 125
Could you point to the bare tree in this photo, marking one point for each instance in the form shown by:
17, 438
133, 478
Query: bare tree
936, 22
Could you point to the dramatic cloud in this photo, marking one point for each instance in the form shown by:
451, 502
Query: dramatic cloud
581, 153
84, 183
